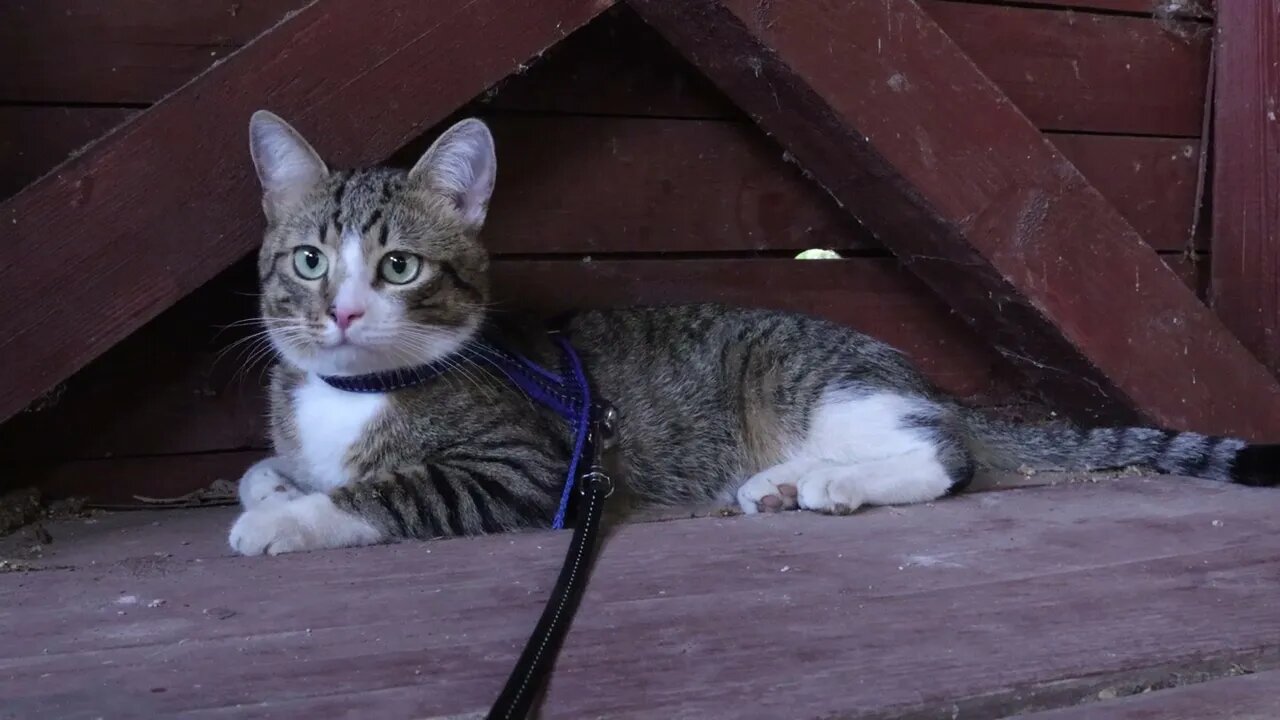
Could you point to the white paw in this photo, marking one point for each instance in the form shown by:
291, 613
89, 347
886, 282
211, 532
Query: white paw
772, 490
311, 522
263, 482
829, 489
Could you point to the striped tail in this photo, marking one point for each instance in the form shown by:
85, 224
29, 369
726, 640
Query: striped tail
1007, 446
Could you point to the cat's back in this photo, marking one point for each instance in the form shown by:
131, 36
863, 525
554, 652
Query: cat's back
703, 339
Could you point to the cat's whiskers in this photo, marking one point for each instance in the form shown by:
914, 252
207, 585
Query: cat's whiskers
420, 344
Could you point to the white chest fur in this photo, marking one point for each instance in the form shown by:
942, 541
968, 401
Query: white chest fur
329, 422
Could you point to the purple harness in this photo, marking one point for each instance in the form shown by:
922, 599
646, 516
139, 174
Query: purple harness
566, 393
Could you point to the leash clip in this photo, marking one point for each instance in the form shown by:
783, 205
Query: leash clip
596, 479
604, 437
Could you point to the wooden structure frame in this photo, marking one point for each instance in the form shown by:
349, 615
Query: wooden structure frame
993, 218
1051, 598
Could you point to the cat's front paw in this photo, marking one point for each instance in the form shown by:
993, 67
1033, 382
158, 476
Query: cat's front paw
264, 482
311, 522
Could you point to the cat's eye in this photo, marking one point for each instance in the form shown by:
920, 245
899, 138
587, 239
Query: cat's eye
310, 263
400, 268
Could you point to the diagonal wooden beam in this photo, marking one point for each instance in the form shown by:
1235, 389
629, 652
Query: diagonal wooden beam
899, 126
148, 214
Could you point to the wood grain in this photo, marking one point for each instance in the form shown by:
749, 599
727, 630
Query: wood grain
131, 219
618, 184
120, 480
980, 606
123, 51
1249, 697
1246, 176
1085, 72
936, 161
1069, 71
1066, 71
35, 139
1150, 181
592, 185
1194, 9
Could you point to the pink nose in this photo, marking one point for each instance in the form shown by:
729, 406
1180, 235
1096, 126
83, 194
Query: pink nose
345, 316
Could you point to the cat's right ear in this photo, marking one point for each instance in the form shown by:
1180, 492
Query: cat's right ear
288, 167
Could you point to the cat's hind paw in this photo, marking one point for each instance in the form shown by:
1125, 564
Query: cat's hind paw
773, 490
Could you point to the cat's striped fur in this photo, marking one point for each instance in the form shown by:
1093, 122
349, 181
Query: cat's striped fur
767, 409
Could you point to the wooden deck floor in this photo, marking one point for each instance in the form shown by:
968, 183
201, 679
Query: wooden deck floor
1056, 602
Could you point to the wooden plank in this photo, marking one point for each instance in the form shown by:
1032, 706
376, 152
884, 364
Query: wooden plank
1246, 175
1066, 71
928, 617
1150, 181
136, 51
188, 382
1159, 8
1250, 697
617, 65
34, 139
1123, 74
614, 184
119, 480
124, 51
130, 219
598, 185
167, 390
890, 117
592, 185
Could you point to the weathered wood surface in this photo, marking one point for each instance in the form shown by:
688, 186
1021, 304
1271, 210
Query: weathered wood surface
122, 51
1249, 697
891, 118
1246, 176
34, 139
122, 480
1151, 181
981, 606
596, 185
1067, 71
1173, 8
1103, 62
150, 188
615, 184
1074, 71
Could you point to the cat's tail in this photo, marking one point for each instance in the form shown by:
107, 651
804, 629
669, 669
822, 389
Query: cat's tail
1000, 445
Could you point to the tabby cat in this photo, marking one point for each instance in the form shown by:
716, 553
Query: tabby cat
380, 269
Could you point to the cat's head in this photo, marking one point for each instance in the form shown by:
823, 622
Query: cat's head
373, 269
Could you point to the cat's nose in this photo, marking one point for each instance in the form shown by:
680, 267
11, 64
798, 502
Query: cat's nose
345, 316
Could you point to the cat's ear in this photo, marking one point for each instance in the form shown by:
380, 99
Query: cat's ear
288, 167
461, 165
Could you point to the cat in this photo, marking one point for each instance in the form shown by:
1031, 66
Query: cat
379, 269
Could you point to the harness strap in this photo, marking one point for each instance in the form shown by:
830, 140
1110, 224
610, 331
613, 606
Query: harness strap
568, 393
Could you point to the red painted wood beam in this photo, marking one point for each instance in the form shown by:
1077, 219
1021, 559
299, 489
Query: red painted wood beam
109, 239
1246, 175
892, 118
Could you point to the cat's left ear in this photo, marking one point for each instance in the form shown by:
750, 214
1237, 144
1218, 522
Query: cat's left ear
462, 166
288, 167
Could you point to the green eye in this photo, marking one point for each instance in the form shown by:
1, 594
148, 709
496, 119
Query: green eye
400, 268
310, 263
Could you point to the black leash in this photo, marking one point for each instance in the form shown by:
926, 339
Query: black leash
530, 674
594, 425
